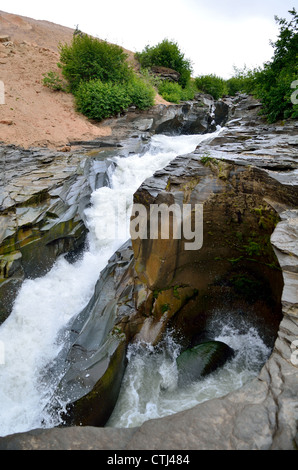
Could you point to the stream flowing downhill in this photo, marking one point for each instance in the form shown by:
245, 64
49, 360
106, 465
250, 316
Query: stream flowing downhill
31, 339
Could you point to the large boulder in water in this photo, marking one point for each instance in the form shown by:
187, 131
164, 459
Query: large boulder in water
202, 359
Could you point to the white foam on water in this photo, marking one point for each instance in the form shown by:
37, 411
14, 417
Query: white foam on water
147, 395
29, 338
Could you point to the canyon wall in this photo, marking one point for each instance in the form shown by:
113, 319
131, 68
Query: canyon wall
246, 181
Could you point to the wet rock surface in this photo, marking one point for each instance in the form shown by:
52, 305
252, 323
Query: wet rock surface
201, 360
43, 193
235, 270
94, 357
249, 140
247, 184
190, 117
43, 196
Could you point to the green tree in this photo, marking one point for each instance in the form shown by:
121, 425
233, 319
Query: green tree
166, 54
272, 84
170, 91
141, 93
99, 77
286, 46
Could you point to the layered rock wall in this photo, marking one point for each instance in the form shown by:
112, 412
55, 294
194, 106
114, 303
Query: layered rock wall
43, 193
43, 197
250, 229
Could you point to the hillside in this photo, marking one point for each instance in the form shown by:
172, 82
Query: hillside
33, 115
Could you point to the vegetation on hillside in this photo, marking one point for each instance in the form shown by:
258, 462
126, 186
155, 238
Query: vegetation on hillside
213, 85
88, 58
273, 83
167, 54
103, 83
98, 75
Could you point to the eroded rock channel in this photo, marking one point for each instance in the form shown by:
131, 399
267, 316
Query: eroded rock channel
245, 181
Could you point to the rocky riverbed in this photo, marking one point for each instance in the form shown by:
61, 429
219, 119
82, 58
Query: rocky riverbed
246, 180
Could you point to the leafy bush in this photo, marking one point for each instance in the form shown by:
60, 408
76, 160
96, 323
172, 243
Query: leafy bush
88, 58
274, 91
100, 78
141, 94
189, 92
243, 81
174, 93
234, 85
98, 100
170, 91
211, 84
150, 78
272, 83
166, 54
53, 81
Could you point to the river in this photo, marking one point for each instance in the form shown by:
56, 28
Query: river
30, 339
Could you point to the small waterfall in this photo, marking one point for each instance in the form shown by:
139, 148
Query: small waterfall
31, 336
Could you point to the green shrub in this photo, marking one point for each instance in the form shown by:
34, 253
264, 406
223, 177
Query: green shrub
98, 100
166, 54
174, 93
53, 81
211, 84
243, 81
274, 91
141, 94
170, 91
88, 58
150, 78
234, 85
272, 83
189, 92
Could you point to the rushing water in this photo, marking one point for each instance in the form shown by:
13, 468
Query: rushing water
156, 394
29, 338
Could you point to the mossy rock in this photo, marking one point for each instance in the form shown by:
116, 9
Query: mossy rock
201, 360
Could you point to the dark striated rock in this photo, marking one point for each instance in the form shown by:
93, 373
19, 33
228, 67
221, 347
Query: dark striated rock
43, 193
221, 113
102, 376
190, 117
240, 199
165, 73
93, 361
43, 196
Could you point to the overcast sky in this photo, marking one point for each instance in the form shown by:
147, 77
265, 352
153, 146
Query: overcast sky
214, 34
